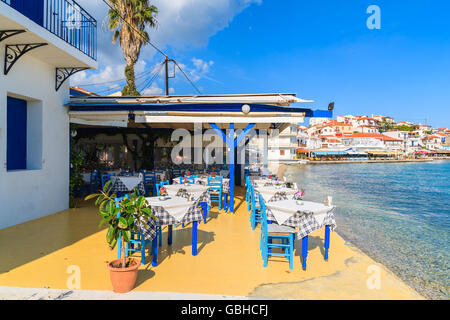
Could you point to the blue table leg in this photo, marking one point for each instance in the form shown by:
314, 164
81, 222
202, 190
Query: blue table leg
205, 211
169, 236
304, 251
194, 238
327, 241
155, 251
225, 204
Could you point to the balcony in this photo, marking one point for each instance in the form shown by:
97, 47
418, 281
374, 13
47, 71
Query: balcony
64, 18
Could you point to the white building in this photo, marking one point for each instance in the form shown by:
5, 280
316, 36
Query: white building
43, 47
400, 135
316, 121
284, 145
372, 142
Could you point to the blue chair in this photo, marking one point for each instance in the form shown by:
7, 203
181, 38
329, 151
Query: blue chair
93, 181
159, 185
149, 183
105, 178
247, 192
215, 190
255, 208
274, 232
190, 179
137, 241
176, 173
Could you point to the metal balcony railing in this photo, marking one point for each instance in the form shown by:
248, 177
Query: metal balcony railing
64, 18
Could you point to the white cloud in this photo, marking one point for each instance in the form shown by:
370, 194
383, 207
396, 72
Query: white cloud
105, 74
181, 23
153, 90
202, 68
192, 22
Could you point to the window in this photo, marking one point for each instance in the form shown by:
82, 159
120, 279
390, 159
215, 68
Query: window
16, 145
23, 134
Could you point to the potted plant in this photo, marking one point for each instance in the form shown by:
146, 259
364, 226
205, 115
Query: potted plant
123, 217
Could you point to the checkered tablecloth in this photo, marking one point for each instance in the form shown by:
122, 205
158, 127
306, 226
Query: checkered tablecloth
272, 193
225, 183
304, 221
119, 186
204, 181
204, 197
194, 213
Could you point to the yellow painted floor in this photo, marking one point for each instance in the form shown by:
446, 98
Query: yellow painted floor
38, 254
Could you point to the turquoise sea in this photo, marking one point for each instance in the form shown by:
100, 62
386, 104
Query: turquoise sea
397, 213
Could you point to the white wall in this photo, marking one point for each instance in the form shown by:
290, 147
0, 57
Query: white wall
30, 194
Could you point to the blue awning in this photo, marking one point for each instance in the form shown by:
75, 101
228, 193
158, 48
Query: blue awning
330, 153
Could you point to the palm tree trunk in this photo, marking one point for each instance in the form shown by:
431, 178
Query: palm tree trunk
130, 88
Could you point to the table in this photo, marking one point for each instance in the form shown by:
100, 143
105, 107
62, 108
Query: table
127, 184
187, 190
272, 193
306, 218
177, 209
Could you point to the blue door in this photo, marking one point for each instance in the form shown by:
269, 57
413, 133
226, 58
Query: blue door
33, 9
16, 134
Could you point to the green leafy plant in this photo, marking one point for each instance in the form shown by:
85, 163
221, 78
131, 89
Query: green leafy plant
76, 179
123, 217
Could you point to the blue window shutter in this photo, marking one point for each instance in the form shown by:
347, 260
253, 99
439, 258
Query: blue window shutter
16, 135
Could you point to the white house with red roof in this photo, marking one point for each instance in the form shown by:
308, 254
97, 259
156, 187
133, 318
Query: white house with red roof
372, 142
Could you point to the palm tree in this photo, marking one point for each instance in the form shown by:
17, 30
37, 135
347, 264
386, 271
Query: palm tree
131, 33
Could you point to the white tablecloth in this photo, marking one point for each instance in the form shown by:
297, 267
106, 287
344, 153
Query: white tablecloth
175, 206
196, 190
268, 192
284, 209
129, 182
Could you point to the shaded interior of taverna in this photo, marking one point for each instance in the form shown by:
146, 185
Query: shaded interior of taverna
129, 136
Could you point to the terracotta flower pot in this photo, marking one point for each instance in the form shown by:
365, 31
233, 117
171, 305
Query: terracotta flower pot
123, 279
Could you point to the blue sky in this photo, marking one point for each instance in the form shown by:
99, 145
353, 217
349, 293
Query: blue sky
321, 50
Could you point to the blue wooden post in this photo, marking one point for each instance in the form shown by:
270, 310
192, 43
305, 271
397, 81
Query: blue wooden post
304, 251
232, 143
155, 251
231, 138
327, 241
194, 238
169, 236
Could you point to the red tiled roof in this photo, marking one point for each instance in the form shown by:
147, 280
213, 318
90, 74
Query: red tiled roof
372, 135
83, 91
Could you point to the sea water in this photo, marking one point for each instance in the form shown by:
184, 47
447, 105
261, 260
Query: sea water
397, 213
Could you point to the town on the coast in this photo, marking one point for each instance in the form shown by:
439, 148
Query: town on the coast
360, 138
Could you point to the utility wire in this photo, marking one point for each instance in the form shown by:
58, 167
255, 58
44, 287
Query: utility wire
148, 41
138, 76
195, 87
148, 83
